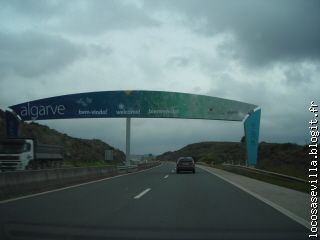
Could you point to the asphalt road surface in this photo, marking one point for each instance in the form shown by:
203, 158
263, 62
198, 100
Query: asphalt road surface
154, 204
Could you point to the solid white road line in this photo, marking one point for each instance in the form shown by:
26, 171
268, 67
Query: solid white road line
166, 176
73, 186
266, 201
142, 193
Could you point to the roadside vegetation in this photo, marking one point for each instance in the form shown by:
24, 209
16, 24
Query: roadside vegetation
77, 152
283, 158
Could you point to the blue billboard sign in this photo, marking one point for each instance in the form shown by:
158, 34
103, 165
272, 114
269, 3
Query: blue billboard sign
134, 104
145, 104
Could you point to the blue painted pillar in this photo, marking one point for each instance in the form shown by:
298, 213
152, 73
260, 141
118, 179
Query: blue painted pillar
251, 130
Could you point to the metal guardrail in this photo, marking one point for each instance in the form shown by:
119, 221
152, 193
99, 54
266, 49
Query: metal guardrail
15, 183
127, 168
262, 172
133, 168
269, 173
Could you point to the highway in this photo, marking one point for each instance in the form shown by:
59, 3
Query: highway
153, 204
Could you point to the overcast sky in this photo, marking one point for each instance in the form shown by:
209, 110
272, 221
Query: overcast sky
261, 52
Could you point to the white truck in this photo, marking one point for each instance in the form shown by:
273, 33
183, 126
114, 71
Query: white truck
27, 154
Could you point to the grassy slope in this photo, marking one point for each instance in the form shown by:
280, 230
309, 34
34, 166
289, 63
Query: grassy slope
78, 152
289, 159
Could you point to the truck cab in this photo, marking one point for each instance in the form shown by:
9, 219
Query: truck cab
15, 154
27, 154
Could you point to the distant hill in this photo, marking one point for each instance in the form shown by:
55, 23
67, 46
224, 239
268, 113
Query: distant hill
216, 152
287, 158
76, 149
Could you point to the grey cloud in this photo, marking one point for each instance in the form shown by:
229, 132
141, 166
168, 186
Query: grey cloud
265, 31
98, 16
296, 75
227, 49
34, 8
178, 61
80, 17
95, 50
31, 54
257, 32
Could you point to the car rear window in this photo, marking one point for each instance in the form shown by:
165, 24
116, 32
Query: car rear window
185, 160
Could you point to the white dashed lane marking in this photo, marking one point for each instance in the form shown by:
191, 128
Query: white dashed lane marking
142, 193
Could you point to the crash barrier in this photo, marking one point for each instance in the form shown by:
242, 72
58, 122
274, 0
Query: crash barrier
279, 179
135, 168
264, 172
127, 169
24, 182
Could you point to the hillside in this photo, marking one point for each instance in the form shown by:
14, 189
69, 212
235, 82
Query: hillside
77, 150
284, 158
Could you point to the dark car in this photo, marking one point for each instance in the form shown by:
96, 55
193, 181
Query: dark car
185, 164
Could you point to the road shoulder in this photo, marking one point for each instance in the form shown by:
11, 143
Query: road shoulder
292, 203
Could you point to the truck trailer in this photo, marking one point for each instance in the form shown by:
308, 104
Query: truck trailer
28, 154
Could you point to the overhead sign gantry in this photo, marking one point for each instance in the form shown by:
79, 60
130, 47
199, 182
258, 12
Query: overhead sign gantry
146, 104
